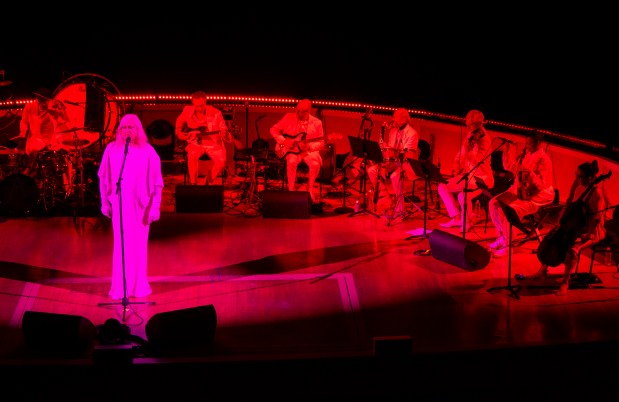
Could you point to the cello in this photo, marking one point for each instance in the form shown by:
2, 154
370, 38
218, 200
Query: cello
555, 245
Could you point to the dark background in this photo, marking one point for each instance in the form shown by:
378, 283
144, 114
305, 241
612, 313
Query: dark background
552, 70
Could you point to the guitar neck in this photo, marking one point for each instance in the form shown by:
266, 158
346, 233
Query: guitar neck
300, 137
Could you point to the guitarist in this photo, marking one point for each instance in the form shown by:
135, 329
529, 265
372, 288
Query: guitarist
299, 137
593, 228
204, 129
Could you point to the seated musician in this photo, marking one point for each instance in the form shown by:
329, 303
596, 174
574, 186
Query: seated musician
204, 129
402, 142
299, 137
40, 124
532, 188
592, 220
475, 148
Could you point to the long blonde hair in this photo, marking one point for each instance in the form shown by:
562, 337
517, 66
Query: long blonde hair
134, 120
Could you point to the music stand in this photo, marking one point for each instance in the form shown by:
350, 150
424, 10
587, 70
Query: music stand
514, 220
344, 209
370, 151
429, 172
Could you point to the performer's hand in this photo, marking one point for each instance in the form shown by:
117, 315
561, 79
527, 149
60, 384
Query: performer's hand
153, 215
106, 209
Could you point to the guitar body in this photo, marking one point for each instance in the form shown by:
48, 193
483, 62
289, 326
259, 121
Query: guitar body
298, 145
196, 134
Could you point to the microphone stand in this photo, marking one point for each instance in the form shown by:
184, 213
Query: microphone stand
465, 177
125, 300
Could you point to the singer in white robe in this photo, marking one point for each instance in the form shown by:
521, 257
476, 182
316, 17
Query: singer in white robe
140, 192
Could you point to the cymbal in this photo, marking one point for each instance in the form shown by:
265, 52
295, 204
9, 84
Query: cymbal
70, 130
75, 143
5, 83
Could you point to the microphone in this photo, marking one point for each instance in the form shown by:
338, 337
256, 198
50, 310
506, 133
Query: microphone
506, 140
262, 116
127, 144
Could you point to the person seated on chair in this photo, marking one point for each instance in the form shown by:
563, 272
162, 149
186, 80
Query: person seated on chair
299, 137
475, 148
532, 188
40, 125
402, 140
204, 129
594, 228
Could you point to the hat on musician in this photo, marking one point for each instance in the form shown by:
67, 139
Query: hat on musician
474, 119
43, 93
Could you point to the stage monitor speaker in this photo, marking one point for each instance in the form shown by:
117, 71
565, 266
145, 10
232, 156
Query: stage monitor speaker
199, 199
286, 204
189, 328
457, 251
58, 333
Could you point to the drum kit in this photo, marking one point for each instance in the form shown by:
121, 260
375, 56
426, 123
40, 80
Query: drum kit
56, 177
64, 172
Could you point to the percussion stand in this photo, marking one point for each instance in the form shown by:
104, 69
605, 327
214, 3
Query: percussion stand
125, 300
78, 163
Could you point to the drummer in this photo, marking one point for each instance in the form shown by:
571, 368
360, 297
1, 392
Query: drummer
40, 122
401, 143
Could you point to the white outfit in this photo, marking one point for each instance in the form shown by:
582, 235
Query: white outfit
465, 160
399, 140
141, 200
290, 125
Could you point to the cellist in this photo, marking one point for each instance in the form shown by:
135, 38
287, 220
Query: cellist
592, 222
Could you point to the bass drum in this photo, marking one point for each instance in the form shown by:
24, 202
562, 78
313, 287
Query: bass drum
19, 195
92, 111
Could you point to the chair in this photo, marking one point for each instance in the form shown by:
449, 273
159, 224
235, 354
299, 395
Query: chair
533, 223
503, 179
609, 244
425, 154
327, 170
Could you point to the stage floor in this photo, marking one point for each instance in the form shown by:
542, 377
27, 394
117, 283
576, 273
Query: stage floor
331, 284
